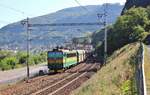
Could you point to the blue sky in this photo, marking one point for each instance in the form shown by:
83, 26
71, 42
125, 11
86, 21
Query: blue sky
12, 10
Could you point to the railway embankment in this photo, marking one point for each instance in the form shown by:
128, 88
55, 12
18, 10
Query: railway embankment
117, 77
54, 84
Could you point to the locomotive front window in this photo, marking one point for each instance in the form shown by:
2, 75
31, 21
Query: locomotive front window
55, 54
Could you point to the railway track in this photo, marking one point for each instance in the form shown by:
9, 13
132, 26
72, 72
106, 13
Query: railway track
39, 83
75, 83
69, 83
76, 68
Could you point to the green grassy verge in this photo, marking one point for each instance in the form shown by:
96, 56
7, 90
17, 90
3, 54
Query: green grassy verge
117, 77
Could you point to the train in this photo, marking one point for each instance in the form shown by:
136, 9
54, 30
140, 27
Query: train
61, 59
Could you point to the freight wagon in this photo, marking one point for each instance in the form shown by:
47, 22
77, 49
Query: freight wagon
59, 60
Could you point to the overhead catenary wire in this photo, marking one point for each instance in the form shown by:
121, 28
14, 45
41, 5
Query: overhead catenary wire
84, 8
81, 6
14, 9
27, 15
2, 21
19, 11
41, 35
28, 35
47, 19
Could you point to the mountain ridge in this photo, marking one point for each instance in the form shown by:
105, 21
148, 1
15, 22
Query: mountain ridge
59, 34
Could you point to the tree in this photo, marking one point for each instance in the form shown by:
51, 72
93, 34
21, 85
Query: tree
131, 27
138, 35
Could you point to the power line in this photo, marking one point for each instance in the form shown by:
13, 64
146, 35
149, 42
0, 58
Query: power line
81, 5
66, 24
15, 10
46, 18
19, 11
42, 35
2, 21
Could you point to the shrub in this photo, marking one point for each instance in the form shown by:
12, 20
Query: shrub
21, 56
8, 63
10, 60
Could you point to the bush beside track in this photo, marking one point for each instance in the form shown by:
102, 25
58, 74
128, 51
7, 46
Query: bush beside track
117, 77
10, 60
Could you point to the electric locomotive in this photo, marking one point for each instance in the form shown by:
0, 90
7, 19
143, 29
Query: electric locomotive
59, 59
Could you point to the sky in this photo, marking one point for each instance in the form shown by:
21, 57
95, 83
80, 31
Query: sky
16, 10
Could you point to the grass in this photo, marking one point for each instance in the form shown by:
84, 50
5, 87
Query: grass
147, 65
117, 77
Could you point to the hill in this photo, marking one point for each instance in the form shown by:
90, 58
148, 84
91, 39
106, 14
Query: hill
14, 34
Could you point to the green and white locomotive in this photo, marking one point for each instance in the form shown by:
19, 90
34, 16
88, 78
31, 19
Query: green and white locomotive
59, 60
